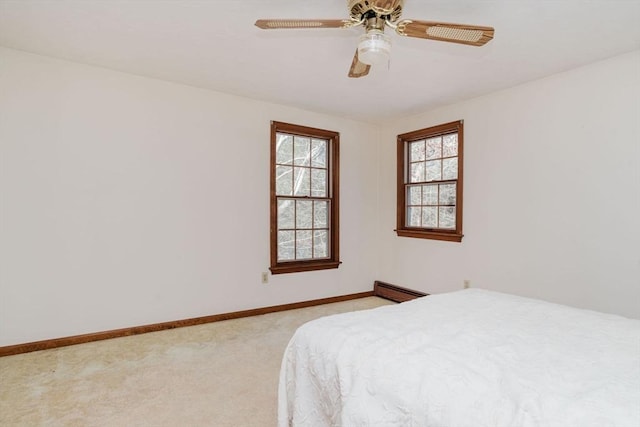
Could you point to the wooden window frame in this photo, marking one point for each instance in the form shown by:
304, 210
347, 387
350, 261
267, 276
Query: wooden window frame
333, 157
402, 230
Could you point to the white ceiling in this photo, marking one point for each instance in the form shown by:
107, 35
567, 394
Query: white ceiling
214, 44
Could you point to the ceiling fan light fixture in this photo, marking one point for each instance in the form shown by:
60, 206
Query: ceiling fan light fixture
374, 47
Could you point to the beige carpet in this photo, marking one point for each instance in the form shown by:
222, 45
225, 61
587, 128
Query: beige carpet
218, 374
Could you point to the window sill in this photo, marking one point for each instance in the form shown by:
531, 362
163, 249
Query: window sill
433, 235
296, 267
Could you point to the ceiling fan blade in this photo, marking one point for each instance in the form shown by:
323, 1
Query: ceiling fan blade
456, 33
358, 69
276, 24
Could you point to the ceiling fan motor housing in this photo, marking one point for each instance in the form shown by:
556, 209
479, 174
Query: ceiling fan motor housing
365, 9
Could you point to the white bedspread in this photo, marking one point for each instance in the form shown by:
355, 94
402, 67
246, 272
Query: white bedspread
469, 358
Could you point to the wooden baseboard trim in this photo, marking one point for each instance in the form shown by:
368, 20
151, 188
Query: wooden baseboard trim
125, 332
395, 293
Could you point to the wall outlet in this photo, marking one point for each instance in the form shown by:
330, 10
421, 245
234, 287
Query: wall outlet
467, 283
265, 277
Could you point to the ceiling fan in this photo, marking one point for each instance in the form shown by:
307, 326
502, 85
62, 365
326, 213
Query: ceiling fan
374, 46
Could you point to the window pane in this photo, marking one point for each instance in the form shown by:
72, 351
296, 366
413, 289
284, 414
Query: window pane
284, 149
286, 245
302, 151
318, 183
416, 173
434, 148
434, 170
284, 180
430, 197
303, 244
319, 153
450, 168
304, 213
430, 217
448, 194
320, 214
415, 195
302, 181
450, 145
320, 244
416, 151
413, 217
430, 194
447, 217
286, 213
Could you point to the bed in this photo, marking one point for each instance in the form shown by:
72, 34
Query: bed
468, 358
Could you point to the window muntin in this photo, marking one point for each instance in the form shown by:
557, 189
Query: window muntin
430, 183
304, 216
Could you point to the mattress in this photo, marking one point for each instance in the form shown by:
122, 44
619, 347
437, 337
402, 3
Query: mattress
468, 358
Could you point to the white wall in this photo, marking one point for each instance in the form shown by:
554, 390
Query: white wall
122, 198
127, 201
551, 193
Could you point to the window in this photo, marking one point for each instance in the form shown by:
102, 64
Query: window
430, 183
304, 198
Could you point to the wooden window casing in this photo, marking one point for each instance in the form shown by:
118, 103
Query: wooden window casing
329, 202
411, 190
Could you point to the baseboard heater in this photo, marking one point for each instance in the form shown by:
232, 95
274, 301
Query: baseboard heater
395, 293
